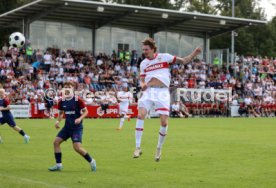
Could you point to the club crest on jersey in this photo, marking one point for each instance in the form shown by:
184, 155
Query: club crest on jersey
159, 59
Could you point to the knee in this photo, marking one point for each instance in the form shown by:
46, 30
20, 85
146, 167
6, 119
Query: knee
56, 143
164, 123
141, 115
76, 148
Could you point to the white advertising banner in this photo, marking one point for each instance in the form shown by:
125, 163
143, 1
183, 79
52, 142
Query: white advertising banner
20, 111
235, 111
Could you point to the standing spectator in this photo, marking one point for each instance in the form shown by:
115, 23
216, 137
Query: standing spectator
47, 61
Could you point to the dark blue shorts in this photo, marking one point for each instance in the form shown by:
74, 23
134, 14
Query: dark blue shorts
9, 121
75, 134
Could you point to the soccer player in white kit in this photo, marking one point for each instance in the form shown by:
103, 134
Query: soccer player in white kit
124, 98
155, 82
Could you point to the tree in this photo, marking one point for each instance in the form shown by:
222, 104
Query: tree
250, 40
148, 3
202, 6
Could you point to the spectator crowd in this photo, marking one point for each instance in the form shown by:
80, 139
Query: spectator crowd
26, 76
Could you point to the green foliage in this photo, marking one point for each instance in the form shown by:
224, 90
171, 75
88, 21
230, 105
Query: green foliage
253, 40
148, 3
202, 6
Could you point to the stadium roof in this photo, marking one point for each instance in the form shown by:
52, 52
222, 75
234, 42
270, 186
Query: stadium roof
93, 14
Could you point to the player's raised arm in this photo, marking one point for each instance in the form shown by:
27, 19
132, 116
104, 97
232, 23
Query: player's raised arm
187, 59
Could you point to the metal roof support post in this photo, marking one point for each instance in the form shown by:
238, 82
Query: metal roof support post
206, 53
94, 41
151, 34
26, 28
233, 41
23, 26
166, 48
179, 44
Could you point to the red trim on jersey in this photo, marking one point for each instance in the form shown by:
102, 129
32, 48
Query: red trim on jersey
174, 60
157, 66
6, 102
139, 129
162, 109
59, 105
81, 103
154, 56
142, 75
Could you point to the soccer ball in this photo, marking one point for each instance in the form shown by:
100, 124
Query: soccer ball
17, 40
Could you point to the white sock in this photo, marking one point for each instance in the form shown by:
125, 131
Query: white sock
59, 164
122, 122
162, 135
139, 132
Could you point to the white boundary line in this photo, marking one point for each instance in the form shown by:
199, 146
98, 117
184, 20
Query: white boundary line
26, 180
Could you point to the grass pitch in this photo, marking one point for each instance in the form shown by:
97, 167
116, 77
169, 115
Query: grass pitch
198, 153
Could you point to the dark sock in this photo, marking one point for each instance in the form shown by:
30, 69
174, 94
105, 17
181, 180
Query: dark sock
87, 157
22, 133
58, 157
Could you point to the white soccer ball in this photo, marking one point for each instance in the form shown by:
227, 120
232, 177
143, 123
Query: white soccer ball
17, 40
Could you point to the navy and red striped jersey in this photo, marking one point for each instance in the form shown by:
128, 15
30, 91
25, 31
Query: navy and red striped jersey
72, 109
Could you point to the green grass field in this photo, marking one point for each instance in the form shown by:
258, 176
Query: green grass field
209, 153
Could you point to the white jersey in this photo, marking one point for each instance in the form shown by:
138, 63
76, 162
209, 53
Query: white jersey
158, 67
175, 107
124, 97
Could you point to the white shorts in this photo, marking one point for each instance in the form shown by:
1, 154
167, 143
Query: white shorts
123, 108
159, 97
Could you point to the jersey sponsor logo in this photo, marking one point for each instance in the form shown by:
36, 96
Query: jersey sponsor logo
157, 66
70, 112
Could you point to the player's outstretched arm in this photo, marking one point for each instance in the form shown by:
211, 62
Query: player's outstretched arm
188, 58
